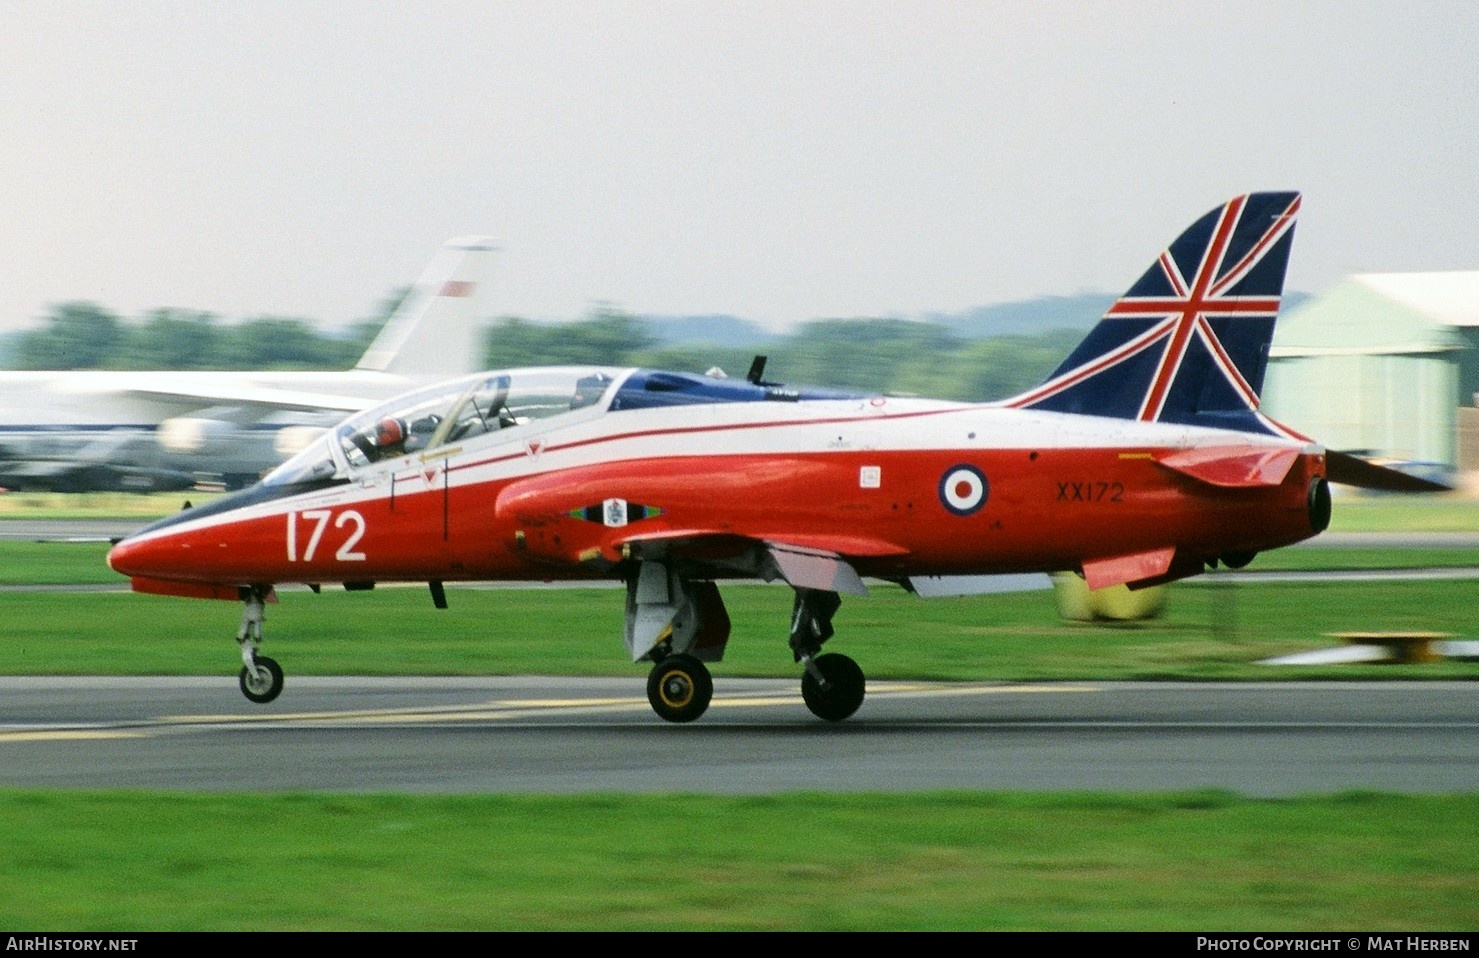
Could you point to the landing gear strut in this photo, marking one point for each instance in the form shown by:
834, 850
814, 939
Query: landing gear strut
679, 624
261, 677
833, 686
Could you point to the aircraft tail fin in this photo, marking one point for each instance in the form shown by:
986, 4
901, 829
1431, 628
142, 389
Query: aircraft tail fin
435, 331
1189, 341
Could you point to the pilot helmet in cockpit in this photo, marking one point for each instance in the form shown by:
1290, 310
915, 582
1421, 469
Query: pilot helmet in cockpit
389, 432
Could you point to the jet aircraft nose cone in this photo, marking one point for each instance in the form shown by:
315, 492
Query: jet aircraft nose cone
133, 556
123, 557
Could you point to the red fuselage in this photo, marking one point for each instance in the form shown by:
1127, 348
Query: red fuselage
897, 489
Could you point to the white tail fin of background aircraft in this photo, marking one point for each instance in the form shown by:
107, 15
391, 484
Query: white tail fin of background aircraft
434, 330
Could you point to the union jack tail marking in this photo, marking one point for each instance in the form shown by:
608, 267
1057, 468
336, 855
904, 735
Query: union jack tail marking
1189, 341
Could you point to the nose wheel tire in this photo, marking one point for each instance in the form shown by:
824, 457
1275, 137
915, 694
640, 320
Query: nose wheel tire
679, 688
843, 690
263, 684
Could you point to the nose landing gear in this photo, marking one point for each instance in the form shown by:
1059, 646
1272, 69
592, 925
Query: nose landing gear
261, 677
261, 681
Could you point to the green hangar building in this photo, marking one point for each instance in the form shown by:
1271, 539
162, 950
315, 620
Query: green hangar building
1384, 365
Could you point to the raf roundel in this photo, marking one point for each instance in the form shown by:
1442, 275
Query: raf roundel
963, 489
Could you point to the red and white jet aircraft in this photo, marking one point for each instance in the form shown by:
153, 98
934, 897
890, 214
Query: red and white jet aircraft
1142, 459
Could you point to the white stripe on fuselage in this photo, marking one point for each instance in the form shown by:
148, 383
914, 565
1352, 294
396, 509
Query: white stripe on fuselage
745, 429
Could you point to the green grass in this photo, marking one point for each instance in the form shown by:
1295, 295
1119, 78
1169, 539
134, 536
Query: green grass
1211, 628
96, 505
55, 563
1314, 558
1196, 862
1208, 631
1392, 513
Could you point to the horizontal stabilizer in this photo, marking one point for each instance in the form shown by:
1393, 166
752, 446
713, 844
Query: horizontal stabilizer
1125, 569
1234, 466
1351, 470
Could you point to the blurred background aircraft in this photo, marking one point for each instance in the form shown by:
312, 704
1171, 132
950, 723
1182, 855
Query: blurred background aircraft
94, 430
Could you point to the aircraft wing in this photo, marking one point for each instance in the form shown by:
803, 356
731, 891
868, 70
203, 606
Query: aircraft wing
824, 562
935, 586
803, 561
199, 392
608, 530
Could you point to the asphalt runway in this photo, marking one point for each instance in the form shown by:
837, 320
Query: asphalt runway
548, 735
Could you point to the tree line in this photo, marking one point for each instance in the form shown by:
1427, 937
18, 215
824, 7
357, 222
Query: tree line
895, 356
84, 335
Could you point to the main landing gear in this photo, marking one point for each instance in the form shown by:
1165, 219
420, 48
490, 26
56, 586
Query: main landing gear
261, 677
680, 688
833, 685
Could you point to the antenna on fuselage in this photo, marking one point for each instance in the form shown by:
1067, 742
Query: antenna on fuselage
757, 369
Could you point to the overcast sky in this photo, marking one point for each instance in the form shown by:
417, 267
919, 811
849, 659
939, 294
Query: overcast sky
778, 161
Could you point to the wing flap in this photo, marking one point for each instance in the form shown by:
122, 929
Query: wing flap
805, 568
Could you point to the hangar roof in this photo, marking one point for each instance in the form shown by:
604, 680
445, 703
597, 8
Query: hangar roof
1383, 313
1451, 298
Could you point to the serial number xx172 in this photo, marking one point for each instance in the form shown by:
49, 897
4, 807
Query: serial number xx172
1090, 491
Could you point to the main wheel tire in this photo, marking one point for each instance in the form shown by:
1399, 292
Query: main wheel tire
680, 688
844, 691
1237, 560
266, 684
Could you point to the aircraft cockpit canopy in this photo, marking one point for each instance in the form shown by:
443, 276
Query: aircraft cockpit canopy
448, 413
445, 415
